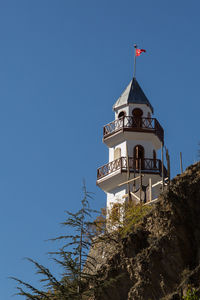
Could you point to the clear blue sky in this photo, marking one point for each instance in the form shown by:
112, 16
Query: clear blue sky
62, 66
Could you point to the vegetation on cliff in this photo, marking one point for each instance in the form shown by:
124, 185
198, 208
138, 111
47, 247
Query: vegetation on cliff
160, 257
154, 255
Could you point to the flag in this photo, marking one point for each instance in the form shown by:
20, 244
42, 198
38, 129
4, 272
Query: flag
139, 51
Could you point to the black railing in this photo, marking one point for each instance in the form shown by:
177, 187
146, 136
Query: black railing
148, 165
130, 123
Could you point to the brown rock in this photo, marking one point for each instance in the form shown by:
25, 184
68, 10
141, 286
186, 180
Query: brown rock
160, 258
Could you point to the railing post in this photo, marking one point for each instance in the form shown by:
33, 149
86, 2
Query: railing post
123, 123
155, 126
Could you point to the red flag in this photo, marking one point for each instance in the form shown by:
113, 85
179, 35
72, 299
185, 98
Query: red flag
139, 51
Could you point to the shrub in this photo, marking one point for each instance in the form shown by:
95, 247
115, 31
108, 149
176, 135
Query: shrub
134, 214
191, 294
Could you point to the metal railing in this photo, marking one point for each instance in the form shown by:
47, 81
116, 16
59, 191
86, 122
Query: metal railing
148, 165
130, 123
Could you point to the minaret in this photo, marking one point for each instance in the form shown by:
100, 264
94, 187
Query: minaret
133, 139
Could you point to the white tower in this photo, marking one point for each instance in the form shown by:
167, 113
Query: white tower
136, 132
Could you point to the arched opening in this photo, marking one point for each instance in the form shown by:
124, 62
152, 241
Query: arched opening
137, 113
121, 114
154, 159
137, 117
138, 154
117, 153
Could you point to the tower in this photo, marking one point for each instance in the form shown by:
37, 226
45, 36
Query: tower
133, 139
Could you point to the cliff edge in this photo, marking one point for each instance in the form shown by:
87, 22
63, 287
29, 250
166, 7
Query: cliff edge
160, 258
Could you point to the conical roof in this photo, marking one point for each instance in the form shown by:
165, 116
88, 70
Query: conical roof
133, 94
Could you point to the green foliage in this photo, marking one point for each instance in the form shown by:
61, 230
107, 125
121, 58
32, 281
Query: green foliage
72, 257
191, 294
134, 214
98, 226
79, 281
116, 215
124, 217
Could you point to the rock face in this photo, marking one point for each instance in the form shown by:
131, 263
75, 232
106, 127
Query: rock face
162, 255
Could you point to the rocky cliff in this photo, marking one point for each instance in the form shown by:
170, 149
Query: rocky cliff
161, 256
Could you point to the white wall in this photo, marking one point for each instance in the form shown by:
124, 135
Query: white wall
132, 140
143, 107
124, 108
122, 146
115, 197
129, 108
148, 148
111, 154
148, 145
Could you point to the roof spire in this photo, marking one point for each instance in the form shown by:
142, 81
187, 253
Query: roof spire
132, 94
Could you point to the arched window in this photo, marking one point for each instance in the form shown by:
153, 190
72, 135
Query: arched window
137, 113
117, 153
154, 159
138, 154
121, 114
137, 117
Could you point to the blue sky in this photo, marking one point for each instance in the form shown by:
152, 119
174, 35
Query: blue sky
63, 64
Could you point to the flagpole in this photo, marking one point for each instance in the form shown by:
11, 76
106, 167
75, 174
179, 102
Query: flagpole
135, 46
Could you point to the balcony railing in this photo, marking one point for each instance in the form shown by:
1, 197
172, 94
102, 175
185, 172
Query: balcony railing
148, 165
130, 123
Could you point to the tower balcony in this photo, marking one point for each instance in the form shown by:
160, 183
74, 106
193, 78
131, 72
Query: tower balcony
119, 167
133, 124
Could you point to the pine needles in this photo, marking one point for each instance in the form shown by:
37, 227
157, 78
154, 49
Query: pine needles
72, 257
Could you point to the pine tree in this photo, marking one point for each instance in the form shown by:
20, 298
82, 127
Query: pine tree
72, 256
